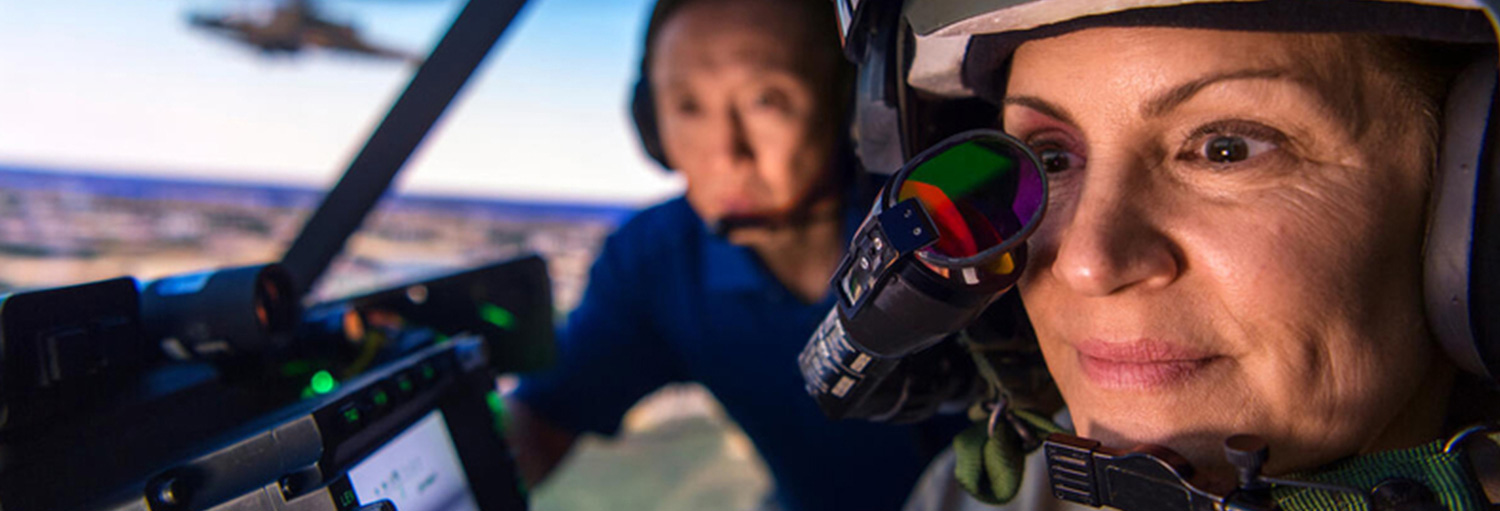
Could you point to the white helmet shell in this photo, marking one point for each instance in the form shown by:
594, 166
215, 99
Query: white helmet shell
943, 29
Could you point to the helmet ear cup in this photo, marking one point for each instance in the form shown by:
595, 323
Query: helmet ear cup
643, 112
1461, 258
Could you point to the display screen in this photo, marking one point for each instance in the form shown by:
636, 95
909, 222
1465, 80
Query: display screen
418, 470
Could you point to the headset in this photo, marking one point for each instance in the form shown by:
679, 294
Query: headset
642, 103
643, 113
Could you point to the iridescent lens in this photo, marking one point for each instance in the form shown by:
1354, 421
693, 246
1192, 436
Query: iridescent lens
980, 194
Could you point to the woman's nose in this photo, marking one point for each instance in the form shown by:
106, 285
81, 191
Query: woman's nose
1113, 241
732, 146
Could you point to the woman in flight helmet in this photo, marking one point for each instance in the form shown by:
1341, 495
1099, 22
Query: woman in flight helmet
1269, 218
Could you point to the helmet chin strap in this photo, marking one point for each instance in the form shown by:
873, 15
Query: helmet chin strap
1452, 475
1459, 473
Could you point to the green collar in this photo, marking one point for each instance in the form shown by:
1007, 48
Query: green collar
1444, 473
990, 468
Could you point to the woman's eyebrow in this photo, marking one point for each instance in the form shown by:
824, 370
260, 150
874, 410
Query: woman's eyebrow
1166, 101
1040, 105
1163, 103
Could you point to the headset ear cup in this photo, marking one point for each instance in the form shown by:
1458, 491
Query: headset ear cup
1460, 257
643, 112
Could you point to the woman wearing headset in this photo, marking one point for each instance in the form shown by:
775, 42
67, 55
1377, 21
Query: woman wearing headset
1238, 217
744, 98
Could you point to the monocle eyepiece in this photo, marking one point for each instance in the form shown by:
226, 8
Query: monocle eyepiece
943, 242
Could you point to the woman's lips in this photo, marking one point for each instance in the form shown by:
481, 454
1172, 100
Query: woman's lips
1139, 364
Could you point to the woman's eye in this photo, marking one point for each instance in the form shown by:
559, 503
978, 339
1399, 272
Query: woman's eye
1058, 160
1229, 143
1052, 148
770, 99
1227, 149
686, 105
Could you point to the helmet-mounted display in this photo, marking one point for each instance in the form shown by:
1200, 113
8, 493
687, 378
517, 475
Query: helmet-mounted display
945, 238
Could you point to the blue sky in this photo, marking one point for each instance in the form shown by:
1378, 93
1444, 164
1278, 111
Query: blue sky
126, 87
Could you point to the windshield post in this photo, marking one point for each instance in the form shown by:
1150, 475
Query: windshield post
471, 37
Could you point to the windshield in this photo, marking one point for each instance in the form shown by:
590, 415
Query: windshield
156, 138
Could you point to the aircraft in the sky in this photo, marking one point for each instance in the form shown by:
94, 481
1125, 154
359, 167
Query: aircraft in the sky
293, 26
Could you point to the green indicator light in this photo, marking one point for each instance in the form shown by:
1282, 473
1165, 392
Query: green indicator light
497, 405
404, 384
307, 392
497, 315
351, 415
428, 372
323, 383
346, 499
380, 399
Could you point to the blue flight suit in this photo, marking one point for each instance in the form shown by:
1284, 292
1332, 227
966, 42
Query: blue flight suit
668, 301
